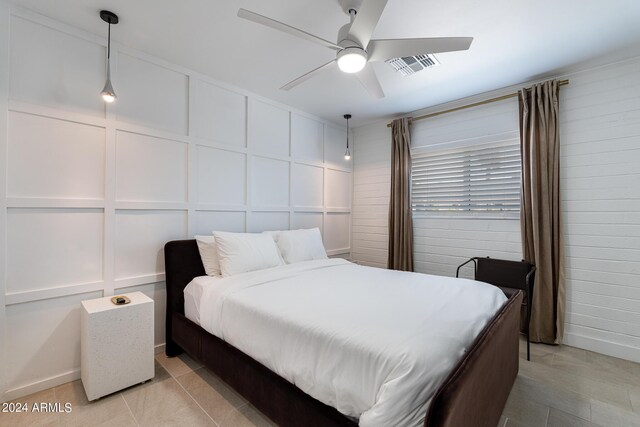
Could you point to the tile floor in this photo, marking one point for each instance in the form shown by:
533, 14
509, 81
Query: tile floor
559, 387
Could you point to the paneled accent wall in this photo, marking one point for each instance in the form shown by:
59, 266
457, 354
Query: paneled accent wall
600, 191
94, 191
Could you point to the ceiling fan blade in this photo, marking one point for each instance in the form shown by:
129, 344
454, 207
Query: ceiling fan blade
370, 81
255, 17
381, 50
307, 76
366, 20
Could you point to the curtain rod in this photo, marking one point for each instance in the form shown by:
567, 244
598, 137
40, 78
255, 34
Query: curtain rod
475, 104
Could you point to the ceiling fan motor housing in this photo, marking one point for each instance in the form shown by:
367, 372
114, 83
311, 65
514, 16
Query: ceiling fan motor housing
343, 37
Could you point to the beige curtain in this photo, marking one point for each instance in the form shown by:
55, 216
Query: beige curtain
540, 209
400, 220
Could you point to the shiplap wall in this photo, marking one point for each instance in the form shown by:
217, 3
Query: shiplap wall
600, 190
371, 189
94, 191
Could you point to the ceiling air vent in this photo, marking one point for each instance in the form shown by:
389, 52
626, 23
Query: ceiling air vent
412, 64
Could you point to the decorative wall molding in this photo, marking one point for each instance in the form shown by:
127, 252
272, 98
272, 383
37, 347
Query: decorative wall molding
163, 170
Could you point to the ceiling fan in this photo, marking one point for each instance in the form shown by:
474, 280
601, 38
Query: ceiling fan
355, 48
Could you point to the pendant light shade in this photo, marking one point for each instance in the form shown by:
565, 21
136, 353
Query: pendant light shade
108, 94
347, 154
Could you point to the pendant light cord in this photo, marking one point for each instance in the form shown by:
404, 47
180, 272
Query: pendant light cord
109, 53
347, 134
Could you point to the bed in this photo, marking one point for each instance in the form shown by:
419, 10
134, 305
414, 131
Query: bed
473, 391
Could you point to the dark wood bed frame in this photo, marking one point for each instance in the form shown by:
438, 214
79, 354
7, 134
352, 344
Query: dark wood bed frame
474, 393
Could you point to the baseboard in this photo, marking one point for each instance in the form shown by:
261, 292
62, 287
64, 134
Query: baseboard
604, 347
54, 381
159, 348
37, 386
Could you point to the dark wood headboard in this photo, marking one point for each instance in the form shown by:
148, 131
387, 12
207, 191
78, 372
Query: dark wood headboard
182, 263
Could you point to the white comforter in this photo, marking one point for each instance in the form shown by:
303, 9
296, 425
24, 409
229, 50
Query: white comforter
375, 344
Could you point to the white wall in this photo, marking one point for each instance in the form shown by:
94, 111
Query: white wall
600, 190
371, 189
93, 193
4, 96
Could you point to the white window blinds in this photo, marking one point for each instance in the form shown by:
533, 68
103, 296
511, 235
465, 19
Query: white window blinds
482, 180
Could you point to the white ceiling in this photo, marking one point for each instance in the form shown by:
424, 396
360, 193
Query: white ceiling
514, 41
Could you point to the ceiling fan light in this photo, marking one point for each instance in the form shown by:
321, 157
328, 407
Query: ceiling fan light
352, 59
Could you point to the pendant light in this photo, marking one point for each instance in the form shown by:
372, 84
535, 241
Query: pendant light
108, 94
347, 154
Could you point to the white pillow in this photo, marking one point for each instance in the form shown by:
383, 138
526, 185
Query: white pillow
301, 245
242, 252
272, 233
209, 254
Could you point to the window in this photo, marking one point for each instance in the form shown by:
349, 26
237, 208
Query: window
482, 180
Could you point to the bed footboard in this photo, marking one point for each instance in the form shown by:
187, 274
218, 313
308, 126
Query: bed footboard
475, 393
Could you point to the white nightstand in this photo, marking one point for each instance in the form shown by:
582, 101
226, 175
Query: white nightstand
116, 344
